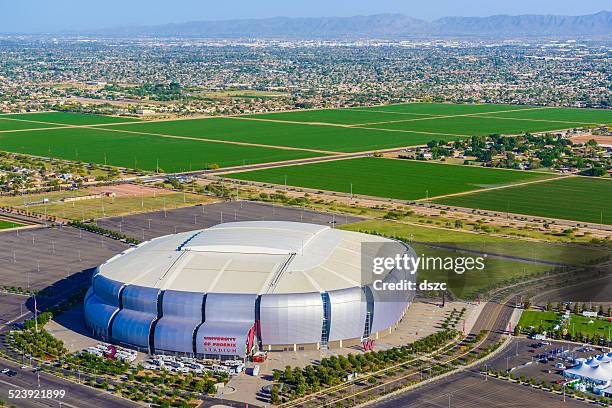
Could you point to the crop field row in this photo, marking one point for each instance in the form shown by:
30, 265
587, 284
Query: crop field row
61, 118
139, 151
195, 144
573, 198
400, 179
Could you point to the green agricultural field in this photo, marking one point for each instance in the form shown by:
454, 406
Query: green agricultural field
401, 179
141, 143
337, 116
562, 114
139, 151
475, 125
9, 224
319, 137
7, 124
444, 108
571, 198
66, 118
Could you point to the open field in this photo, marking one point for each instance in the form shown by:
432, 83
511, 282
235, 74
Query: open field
276, 133
443, 108
476, 125
139, 151
572, 198
183, 145
9, 224
8, 125
527, 251
506, 258
67, 118
561, 114
146, 200
111, 207
577, 323
401, 179
469, 284
338, 116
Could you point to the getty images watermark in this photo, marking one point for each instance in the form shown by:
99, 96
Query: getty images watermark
393, 266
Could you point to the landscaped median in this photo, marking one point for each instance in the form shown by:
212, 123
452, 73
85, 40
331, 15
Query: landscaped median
346, 381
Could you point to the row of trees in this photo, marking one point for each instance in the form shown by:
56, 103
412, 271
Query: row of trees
103, 231
578, 308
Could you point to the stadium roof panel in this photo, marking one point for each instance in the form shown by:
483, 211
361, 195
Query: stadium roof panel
259, 257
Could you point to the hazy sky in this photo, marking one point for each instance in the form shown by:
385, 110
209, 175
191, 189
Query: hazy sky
56, 15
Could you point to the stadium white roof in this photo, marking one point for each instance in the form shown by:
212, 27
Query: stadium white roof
255, 257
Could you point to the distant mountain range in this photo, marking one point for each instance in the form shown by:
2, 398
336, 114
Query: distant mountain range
380, 26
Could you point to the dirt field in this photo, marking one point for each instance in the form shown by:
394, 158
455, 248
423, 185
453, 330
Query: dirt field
600, 139
130, 190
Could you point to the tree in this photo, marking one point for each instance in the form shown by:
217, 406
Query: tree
274, 395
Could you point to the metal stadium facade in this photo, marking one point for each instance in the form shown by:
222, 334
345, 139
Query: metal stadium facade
243, 286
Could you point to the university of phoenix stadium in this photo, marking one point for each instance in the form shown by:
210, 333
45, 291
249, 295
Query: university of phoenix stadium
243, 286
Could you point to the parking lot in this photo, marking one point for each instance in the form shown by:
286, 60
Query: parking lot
532, 359
59, 260
40, 257
150, 225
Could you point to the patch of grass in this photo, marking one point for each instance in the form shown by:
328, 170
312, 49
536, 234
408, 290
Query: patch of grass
572, 198
570, 254
470, 283
111, 207
507, 260
576, 324
9, 224
401, 179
